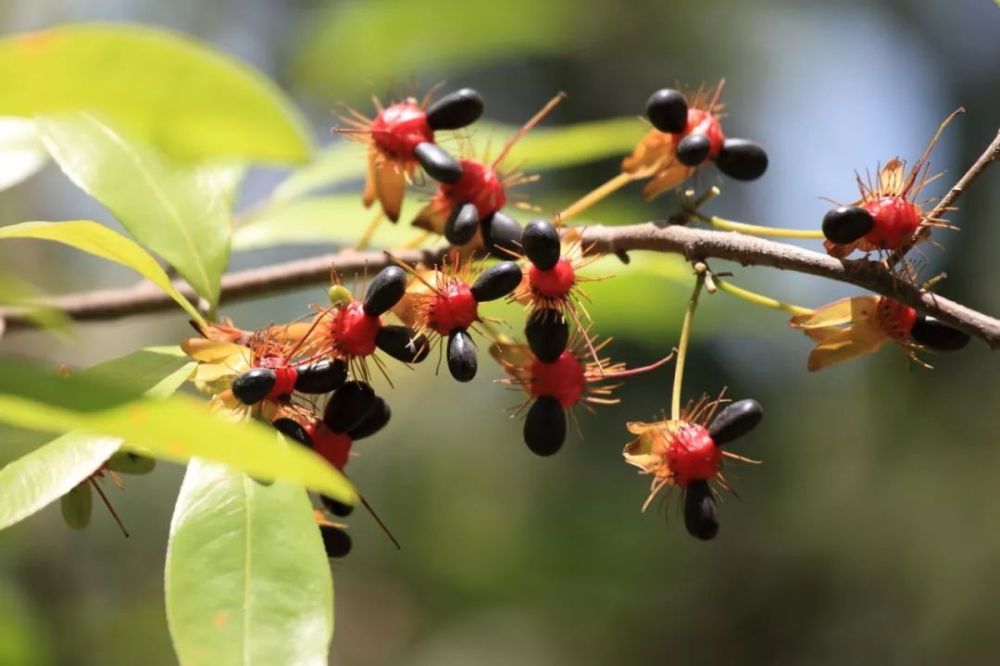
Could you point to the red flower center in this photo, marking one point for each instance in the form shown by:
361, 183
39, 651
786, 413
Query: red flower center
284, 381
896, 319
353, 331
335, 447
480, 185
703, 122
564, 379
454, 307
896, 220
693, 455
398, 129
555, 282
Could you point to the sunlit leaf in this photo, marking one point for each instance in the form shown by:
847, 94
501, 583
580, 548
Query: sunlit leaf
21, 151
190, 101
103, 242
566, 145
181, 213
177, 428
247, 579
49, 472
358, 43
23, 298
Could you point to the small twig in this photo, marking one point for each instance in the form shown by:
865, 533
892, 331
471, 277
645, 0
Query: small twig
989, 156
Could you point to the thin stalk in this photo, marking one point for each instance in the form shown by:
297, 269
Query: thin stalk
760, 299
758, 230
682, 346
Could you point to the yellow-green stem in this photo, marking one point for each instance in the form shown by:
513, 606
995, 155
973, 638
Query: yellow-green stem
369, 232
757, 230
759, 299
682, 346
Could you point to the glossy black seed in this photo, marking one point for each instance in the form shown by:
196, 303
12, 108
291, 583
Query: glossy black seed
349, 406
376, 419
545, 426
385, 290
502, 235
336, 507
667, 110
496, 281
253, 385
847, 224
438, 164
735, 420
293, 430
540, 241
742, 159
455, 110
401, 343
936, 335
462, 224
701, 515
693, 149
336, 542
462, 362
548, 333
321, 377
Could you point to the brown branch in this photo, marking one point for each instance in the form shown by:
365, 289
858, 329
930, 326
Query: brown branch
691, 243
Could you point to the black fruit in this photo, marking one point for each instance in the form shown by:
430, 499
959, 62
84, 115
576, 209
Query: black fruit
933, 334
540, 241
321, 377
253, 385
336, 542
741, 159
438, 164
496, 281
693, 149
455, 110
462, 361
293, 430
667, 110
462, 224
349, 406
545, 426
735, 420
847, 224
336, 507
374, 421
701, 515
502, 235
548, 333
385, 290
401, 343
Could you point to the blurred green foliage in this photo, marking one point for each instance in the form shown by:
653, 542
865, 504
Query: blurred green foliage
867, 536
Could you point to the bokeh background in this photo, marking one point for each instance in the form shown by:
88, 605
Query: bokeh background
869, 534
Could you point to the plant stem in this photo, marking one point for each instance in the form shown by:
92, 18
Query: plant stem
760, 299
682, 346
757, 230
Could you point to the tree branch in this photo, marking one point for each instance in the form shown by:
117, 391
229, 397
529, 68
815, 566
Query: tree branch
692, 243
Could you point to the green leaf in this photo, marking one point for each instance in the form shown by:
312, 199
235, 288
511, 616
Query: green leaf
337, 219
21, 151
179, 212
103, 242
357, 43
190, 101
247, 579
23, 297
337, 163
545, 148
46, 474
177, 428
31, 483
